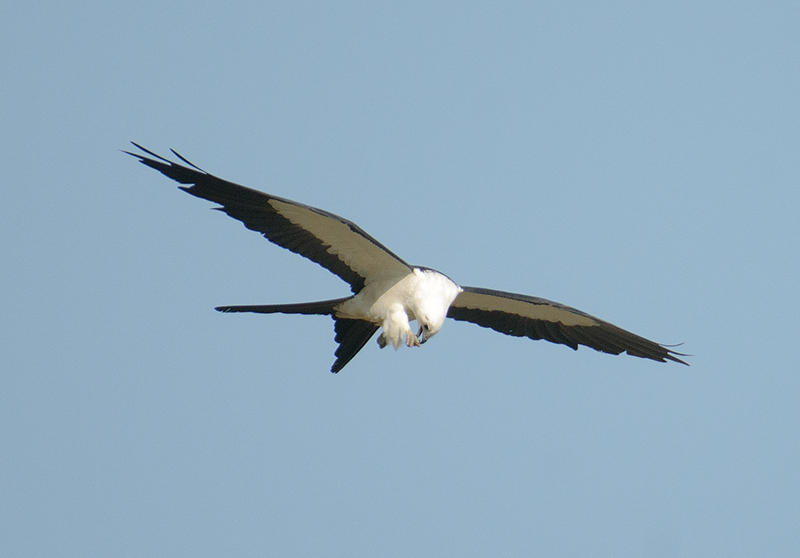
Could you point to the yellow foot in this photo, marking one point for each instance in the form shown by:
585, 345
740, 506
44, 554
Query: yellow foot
412, 340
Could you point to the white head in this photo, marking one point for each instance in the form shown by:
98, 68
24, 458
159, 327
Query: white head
433, 295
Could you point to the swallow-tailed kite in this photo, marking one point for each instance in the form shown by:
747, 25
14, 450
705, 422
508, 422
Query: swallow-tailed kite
388, 293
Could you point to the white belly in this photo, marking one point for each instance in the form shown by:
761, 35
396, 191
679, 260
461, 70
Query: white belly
423, 295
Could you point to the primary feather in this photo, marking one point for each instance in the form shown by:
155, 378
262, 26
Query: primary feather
387, 292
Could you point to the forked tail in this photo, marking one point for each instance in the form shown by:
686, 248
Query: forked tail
351, 335
321, 308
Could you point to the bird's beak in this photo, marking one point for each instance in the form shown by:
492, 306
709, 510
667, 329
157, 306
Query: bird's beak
421, 337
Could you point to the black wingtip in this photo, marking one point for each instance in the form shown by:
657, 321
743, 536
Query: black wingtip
160, 162
183, 174
187, 161
672, 356
141, 157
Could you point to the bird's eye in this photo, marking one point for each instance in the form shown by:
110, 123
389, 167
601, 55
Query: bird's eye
425, 327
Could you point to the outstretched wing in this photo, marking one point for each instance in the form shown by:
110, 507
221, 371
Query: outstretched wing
537, 318
338, 245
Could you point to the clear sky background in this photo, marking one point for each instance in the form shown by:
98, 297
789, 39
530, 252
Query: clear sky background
639, 161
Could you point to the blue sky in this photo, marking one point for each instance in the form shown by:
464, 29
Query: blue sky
636, 161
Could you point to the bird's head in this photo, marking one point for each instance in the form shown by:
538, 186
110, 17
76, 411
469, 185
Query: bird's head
433, 296
429, 325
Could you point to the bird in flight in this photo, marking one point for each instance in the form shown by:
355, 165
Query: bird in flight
388, 293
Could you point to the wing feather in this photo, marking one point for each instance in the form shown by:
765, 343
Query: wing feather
538, 318
338, 245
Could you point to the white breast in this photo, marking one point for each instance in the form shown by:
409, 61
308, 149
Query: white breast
423, 295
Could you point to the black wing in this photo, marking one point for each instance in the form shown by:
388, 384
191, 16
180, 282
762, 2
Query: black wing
538, 318
338, 245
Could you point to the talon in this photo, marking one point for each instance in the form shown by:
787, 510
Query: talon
381, 341
412, 341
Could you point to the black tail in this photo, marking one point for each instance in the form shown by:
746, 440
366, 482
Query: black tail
351, 335
322, 308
